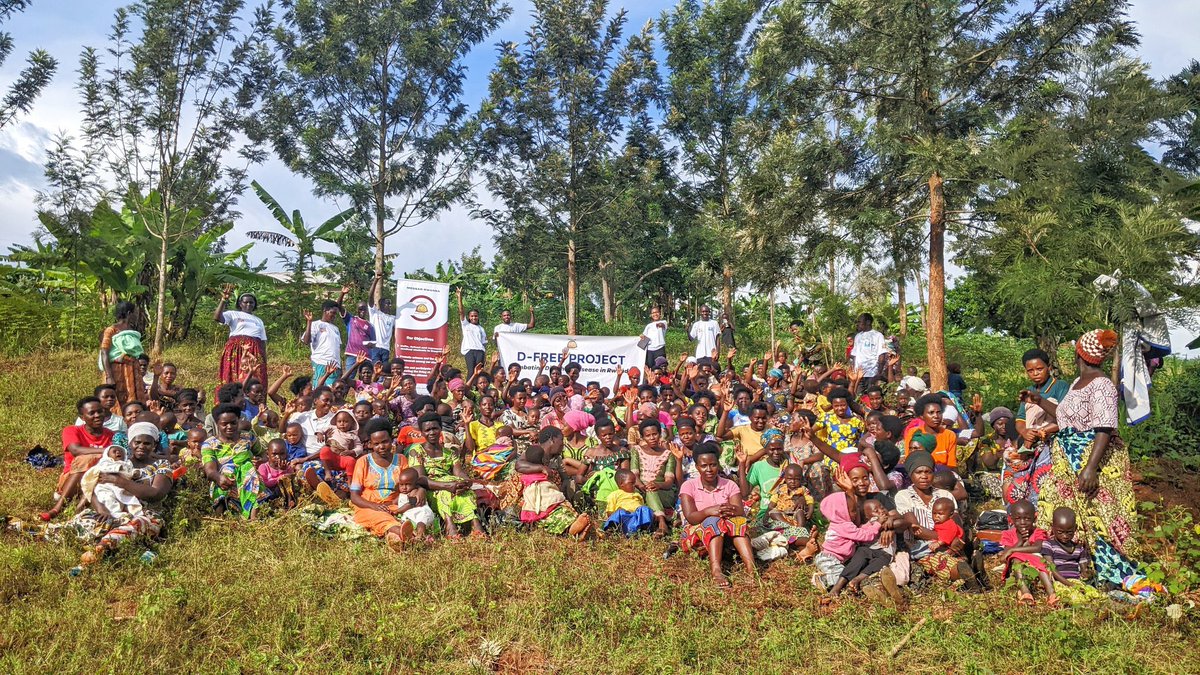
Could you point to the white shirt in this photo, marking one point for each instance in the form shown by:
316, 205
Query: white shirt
656, 335
510, 328
384, 325
313, 425
325, 341
473, 338
244, 324
868, 345
706, 334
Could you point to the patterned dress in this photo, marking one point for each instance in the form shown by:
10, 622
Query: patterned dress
235, 460
1106, 520
458, 508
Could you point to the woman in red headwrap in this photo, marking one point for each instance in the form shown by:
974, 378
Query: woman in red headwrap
1090, 472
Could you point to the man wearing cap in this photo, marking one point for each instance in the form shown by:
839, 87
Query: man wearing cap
655, 335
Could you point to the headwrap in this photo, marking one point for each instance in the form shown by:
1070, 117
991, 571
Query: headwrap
1095, 345
917, 460
660, 362
770, 435
142, 429
775, 373
578, 420
913, 382
852, 460
456, 384
998, 413
556, 391
927, 441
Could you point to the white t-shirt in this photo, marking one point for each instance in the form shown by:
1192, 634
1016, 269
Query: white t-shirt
868, 345
244, 324
510, 328
325, 341
706, 334
656, 335
473, 338
384, 325
312, 426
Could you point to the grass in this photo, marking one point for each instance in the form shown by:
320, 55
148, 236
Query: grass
228, 596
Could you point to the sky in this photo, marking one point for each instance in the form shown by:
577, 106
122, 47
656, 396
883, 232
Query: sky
64, 27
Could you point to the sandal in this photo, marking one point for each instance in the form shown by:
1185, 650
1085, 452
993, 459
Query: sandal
721, 582
1052, 602
1025, 599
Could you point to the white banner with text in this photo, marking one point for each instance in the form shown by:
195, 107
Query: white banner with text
598, 357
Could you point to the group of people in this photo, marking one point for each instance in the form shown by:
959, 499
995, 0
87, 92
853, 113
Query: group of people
876, 481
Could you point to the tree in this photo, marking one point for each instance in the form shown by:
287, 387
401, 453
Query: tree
1183, 128
709, 100
1074, 195
33, 79
368, 104
927, 81
173, 115
555, 111
298, 237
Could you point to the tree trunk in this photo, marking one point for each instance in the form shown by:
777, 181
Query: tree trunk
921, 298
380, 253
161, 302
606, 291
935, 339
727, 285
902, 304
572, 285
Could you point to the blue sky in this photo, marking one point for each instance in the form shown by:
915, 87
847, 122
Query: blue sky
64, 27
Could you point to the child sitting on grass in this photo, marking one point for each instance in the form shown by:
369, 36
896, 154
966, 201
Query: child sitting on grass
195, 439
625, 508
1022, 550
276, 475
790, 509
1069, 560
411, 505
868, 558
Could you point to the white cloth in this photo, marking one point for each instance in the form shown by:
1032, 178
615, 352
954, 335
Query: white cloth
325, 341
1146, 336
510, 328
312, 425
420, 515
914, 383
117, 500
868, 346
244, 324
706, 334
385, 326
656, 332
473, 338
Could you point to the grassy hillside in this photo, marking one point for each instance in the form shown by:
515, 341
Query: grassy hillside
228, 596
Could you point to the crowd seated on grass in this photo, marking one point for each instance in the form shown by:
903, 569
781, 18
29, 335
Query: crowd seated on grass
859, 475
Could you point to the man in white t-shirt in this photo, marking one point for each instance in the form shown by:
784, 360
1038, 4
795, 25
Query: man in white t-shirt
324, 339
868, 346
655, 335
506, 324
705, 332
383, 320
474, 339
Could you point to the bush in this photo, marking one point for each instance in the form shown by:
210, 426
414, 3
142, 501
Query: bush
1173, 430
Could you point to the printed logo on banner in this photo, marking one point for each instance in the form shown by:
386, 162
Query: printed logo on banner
422, 327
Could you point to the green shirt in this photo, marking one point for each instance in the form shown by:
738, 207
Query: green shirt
763, 476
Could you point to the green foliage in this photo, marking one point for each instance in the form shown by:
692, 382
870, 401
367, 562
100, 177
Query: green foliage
32, 80
1175, 537
1173, 430
366, 102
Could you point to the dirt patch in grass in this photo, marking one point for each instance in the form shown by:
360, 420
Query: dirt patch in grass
1167, 480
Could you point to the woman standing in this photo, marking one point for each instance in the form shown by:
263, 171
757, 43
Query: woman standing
120, 347
1090, 470
247, 338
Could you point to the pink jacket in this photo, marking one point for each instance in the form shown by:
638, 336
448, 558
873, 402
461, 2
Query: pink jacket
843, 534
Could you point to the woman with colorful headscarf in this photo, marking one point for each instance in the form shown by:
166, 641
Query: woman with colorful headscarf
757, 476
1090, 466
775, 391
120, 348
576, 440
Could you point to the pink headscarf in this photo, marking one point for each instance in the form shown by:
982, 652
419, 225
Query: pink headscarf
456, 384
578, 420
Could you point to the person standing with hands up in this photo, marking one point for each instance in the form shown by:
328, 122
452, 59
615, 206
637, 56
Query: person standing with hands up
474, 338
247, 337
325, 342
655, 335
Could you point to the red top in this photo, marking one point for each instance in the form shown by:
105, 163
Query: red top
78, 435
948, 531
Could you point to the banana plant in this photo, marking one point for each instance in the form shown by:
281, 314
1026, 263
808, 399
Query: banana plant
298, 236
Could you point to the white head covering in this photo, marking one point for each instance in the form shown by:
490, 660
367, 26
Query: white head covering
143, 429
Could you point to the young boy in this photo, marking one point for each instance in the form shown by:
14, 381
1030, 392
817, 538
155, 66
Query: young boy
1070, 560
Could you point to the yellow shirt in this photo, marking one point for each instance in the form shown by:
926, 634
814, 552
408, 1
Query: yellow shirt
823, 405
620, 500
750, 439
